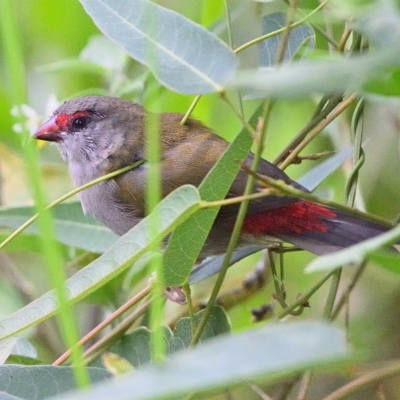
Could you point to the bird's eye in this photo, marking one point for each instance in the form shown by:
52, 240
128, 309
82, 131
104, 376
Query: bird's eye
80, 123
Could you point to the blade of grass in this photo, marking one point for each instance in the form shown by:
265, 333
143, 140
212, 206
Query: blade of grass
15, 67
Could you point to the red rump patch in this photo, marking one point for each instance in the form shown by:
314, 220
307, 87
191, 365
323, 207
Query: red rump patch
293, 218
63, 120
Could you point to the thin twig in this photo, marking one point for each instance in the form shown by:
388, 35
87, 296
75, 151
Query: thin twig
115, 334
364, 381
116, 314
318, 129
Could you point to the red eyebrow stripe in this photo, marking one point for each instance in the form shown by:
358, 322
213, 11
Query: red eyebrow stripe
63, 120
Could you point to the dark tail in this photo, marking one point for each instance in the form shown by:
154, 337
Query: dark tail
342, 231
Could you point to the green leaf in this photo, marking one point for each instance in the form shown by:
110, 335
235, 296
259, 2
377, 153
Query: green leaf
24, 348
380, 22
39, 382
6, 347
355, 254
23, 352
298, 36
136, 346
172, 210
322, 76
187, 241
73, 228
265, 354
183, 55
6, 396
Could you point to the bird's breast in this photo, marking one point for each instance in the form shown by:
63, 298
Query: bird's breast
100, 202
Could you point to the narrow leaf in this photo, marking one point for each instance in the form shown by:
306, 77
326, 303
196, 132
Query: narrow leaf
172, 210
183, 56
265, 354
322, 76
136, 346
73, 228
354, 254
6, 347
187, 241
39, 382
298, 36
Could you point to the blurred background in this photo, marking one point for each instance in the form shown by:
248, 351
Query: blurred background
65, 56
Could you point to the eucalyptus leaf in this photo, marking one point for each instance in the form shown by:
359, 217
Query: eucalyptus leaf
300, 79
73, 228
24, 348
298, 36
136, 346
187, 241
39, 382
183, 55
6, 396
17, 351
6, 347
379, 21
172, 210
265, 354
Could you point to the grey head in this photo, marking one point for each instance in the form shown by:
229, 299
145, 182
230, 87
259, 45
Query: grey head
90, 130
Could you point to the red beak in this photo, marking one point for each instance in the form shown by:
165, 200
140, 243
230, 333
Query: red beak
49, 131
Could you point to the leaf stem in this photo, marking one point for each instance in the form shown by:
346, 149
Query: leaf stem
190, 110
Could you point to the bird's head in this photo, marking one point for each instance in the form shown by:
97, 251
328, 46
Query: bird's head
93, 129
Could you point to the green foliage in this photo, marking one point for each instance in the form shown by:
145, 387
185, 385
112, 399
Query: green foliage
271, 352
314, 79
48, 381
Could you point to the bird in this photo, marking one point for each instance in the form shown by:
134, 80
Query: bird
97, 135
